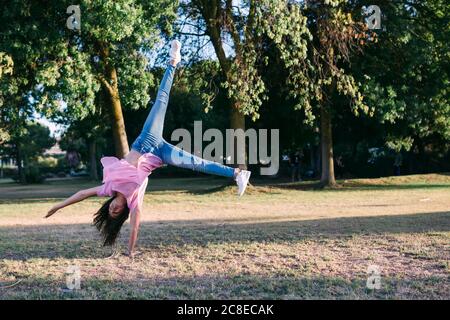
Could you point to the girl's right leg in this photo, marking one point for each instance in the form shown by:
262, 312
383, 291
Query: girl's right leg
179, 158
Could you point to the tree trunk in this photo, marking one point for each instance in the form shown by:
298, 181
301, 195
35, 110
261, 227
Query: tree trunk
237, 121
326, 138
110, 83
118, 125
93, 174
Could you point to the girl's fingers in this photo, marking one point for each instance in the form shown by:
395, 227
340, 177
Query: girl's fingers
50, 213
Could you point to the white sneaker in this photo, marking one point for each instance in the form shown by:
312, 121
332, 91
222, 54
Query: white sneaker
242, 181
175, 54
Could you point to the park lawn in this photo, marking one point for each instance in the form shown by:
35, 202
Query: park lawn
279, 241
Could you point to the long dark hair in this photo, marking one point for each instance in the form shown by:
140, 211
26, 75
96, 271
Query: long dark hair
108, 226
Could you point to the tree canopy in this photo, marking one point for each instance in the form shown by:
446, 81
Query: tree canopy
312, 68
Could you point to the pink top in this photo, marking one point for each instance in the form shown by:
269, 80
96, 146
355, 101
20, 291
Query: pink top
121, 176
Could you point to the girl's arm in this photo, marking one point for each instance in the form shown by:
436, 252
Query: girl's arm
134, 222
77, 197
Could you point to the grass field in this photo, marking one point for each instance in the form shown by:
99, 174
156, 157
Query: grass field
284, 241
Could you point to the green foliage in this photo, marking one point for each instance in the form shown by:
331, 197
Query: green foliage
245, 83
287, 27
195, 96
126, 30
64, 71
315, 43
6, 67
48, 162
34, 140
33, 175
6, 64
281, 56
238, 26
26, 146
403, 75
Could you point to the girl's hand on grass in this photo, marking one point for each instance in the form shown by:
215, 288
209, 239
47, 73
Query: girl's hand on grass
132, 254
52, 211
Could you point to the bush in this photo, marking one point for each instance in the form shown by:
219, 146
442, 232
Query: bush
34, 175
50, 162
9, 172
51, 166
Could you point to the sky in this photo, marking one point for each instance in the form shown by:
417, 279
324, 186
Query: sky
56, 130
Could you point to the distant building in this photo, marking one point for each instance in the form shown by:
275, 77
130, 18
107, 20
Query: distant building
7, 162
54, 151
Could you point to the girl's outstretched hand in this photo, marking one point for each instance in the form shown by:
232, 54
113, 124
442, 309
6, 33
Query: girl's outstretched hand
77, 197
51, 212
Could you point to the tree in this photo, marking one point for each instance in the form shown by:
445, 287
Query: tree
15, 110
227, 23
83, 136
316, 41
16, 89
6, 64
25, 145
403, 74
107, 55
6, 68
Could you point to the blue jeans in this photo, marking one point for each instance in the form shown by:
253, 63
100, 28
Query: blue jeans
151, 141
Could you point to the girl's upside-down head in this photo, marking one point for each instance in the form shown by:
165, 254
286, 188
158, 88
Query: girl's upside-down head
109, 222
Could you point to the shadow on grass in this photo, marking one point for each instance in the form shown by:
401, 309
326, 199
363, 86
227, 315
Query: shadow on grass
30, 200
13, 193
210, 190
16, 193
314, 186
394, 187
236, 286
80, 240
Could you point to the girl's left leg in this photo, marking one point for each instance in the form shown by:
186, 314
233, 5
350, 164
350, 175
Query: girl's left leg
179, 158
151, 135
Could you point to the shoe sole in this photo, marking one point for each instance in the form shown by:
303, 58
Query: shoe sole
247, 176
176, 52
